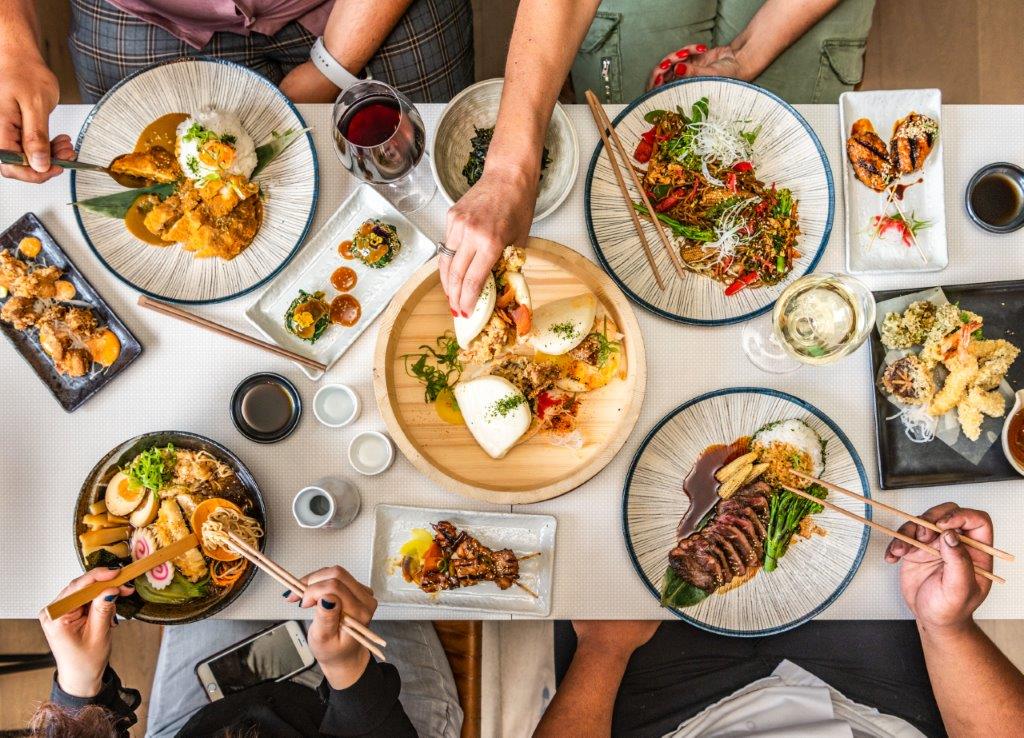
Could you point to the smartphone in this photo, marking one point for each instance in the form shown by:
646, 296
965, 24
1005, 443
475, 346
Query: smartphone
272, 655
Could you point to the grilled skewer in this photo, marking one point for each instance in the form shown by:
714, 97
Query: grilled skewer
869, 155
912, 140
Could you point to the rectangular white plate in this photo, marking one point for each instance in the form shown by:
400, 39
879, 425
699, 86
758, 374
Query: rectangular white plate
311, 270
522, 533
926, 200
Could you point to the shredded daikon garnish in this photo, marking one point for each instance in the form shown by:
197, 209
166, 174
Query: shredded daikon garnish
718, 143
731, 230
919, 426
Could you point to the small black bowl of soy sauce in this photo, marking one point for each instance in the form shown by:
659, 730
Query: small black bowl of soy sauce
995, 197
266, 407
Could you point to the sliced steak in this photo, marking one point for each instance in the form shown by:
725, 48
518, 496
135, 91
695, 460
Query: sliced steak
744, 547
693, 564
735, 559
742, 522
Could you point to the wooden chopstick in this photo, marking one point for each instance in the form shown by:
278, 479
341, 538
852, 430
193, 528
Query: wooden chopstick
627, 199
967, 540
88, 593
187, 317
888, 531
351, 626
606, 125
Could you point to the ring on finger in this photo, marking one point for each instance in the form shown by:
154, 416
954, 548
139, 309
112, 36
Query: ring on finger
443, 250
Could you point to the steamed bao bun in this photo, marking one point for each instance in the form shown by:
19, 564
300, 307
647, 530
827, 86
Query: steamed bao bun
496, 412
214, 125
561, 326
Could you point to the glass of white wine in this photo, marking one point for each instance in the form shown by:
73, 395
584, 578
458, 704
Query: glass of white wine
818, 319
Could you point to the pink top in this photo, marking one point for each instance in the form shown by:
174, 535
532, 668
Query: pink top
195, 21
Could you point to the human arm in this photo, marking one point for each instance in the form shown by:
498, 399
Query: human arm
354, 32
975, 685
498, 209
80, 642
28, 93
774, 28
585, 700
361, 694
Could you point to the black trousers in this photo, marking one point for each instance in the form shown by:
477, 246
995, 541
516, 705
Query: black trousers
683, 669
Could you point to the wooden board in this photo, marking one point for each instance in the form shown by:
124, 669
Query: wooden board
534, 470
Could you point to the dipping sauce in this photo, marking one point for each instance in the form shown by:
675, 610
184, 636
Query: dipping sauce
266, 407
345, 310
343, 279
345, 249
161, 132
135, 221
1015, 436
997, 199
701, 486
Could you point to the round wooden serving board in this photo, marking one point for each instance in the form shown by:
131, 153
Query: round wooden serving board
532, 471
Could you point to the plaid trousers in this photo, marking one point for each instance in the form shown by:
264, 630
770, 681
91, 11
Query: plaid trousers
428, 55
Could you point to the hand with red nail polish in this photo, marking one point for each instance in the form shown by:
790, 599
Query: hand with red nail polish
700, 62
944, 593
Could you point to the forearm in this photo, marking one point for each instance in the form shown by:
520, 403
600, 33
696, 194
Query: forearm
19, 29
584, 702
773, 29
976, 687
355, 30
544, 41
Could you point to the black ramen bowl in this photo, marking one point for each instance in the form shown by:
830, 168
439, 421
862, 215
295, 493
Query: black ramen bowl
248, 492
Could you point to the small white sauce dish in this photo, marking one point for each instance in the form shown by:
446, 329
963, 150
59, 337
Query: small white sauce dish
336, 405
1018, 407
371, 453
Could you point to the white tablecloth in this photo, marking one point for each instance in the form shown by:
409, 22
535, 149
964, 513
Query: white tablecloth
185, 377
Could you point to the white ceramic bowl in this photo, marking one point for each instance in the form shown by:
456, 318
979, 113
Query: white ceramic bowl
1018, 407
386, 445
320, 398
477, 107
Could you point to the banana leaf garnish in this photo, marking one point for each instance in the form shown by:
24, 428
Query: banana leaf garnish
118, 204
266, 153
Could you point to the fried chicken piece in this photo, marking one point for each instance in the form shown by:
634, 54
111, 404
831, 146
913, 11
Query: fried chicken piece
962, 372
977, 403
81, 322
75, 362
223, 195
20, 312
868, 155
909, 380
995, 358
11, 267
170, 527
512, 259
156, 164
530, 377
913, 138
37, 283
492, 340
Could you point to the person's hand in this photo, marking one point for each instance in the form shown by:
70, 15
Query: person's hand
497, 211
944, 593
80, 640
335, 593
696, 60
617, 638
28, 94
306, 84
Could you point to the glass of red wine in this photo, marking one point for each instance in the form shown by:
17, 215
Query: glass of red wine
379, 137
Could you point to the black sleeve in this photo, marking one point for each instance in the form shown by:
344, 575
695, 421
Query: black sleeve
370, 707
120, 701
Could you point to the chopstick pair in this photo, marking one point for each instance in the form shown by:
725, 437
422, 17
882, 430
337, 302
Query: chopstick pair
356, 630
187, 317
610, 136
968, 541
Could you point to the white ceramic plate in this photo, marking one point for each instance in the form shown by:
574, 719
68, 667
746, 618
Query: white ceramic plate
787, 152
925, 200
813, 572
522, 533
289, 182
311, 271
477, 107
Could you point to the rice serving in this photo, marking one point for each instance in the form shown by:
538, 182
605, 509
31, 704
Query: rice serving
209, 123
790, 444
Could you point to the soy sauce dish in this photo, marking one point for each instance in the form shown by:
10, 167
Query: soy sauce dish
995, 197
266, 408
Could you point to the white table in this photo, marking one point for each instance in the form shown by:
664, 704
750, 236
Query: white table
185, 377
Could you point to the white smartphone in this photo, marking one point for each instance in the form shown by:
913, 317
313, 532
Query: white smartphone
272, 655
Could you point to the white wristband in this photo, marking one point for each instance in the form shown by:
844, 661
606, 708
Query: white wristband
330, 68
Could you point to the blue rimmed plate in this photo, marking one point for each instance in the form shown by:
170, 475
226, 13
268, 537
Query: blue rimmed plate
812, 574
289, 182
786, 152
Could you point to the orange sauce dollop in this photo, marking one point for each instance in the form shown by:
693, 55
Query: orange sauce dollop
343, 279
345, 310
345, 249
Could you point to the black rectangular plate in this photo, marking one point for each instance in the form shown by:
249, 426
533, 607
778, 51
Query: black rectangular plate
70, 392
903, 463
